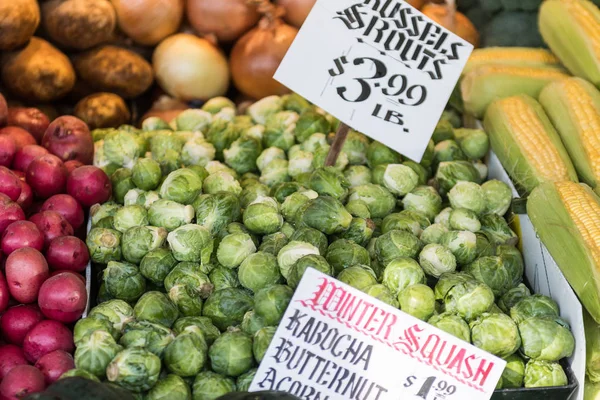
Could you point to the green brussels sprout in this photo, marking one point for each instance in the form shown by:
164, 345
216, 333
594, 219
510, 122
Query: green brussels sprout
513, 262
134, 369
401, 222
182, 186
263, 217
358, 208
191, 243
292, 252
216, 211
358, 276
104, 245
273, 243
473, 142
310, 261
497, 230
123, 281
436, 260
448, 281
315, 142
282, 190
381, 292
356, 146
463, 244
512, 297
269, 155
536, 305
514, 372
378, 154
443, 217
252, 323
216, 104
100, 211
209, 331
544, 374
122, 148
234, 249
190, 276
485, 248
377, 198
140, 240
482, 169
469, 299
138, 197
81, 373
209, 385
157, 308
231, 353
122, 182
451, 172
186, 355
448, 150
279, 130
275, 172
312, 236
156, 265
328, 181
399, 179
86, 326
491, 271
320, 156
300, 163
170, 214
244, 381
423, 173
433, 234
496, 334
294, 102
213, 167
292, 204
223, 278
226, 307
242, 154
453, 117
498, 197
259, 270
357, 175
221, 134
395, 244
95, 351
130, 216
197, 151
452, 324
401, 273
171, 387
146, 174
360, 231
152, 337
443, 131
423, 199
117, 311
462, 219
427, 159
468, 195
417, 300
193, 120
343, 253
261, 341
310, 122
252, 192
271, 302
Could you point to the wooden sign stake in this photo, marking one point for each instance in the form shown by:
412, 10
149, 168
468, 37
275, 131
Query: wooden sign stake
338, 143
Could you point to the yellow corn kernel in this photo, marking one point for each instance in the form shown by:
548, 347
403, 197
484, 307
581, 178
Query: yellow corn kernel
586, 21
517, 56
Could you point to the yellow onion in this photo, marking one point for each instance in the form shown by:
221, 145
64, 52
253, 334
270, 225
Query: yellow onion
296, 11
226, 19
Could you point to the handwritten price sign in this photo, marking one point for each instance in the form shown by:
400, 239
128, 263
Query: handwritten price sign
335, 342
380, 66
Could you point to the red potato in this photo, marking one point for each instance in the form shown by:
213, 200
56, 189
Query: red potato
63, 297
17, 321
46, 337
8, 149
19, 135
10, 357
3, 111
31, 119
69, 138
25, 200
26, 270
25, 155
21, 234
22, 381
72, 165
89, 185
10, 184
52, 225
53, 365
60, 271
68, 253
47, 176
9, 213
66, 206
4, 294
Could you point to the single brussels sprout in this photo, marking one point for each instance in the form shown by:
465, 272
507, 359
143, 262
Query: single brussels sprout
512, 297
146, 174
244, 381
242, 154
209, 385
360, 231
216, 211
187, 354
462, 219
279, 130
401, 222
315, 142
401, 273
182, 186
436, 260
536, 305
491, 271
395, 244
95, 351
378, 199
138, 197
514, 372
343, 253
262, 218
275, 172
197, 151
209, 331
191, 276
423, 173
381, 292
448, 150
156, 265
328, 181
399, 179
191, 243
170, 214
485, 248
269, 155
171, 387
358, 276
310, 261
81, 373
312, 236
212, 167
251, 192
234, 249
473, 142
273, 243
448, 281
300, 163
468, 195
130, 216
284, 189
100, 211
452, 324
140, 240
292, 252
261, 341
496, 334
117, 311
497, 230
513, 262
223, 278
193, 119
252, 323
157, 308
222, 181
451, 172
320, 156
86, 326
498, 197
123, 281
122, 182
469, 299
259, 270
152, 337
443, 218
417, 300
482, 169
271, 302
222, 133
443, 131
122, 148
358, 208
378, 153
294, 102
463, 244
104, 245
544, 374
231, 353
433, 234
356, 146
216, 104
135, 369
423, 199
310, 122
226, 307
357, 175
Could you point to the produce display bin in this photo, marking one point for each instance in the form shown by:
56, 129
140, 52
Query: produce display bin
88, 278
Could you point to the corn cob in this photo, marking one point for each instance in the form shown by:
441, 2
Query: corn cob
515, 56
526, 143
571, 28
573, 106
486, 83
566, 216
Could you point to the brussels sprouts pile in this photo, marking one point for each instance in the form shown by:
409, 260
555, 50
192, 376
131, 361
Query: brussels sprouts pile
216, 216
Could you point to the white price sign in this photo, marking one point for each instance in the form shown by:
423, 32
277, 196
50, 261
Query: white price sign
379, 66
337, 343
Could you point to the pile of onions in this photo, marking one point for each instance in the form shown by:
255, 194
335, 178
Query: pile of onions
148, 22
190, 68
225, 19
296, 11
447, 16
257, 55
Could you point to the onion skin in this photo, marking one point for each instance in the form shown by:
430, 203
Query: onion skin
296, 11
256, 57
228, 20
149, 22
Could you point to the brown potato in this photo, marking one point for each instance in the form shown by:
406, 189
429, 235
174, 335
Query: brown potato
79, 24
18, 21
103, 110
39, 72
116, 70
